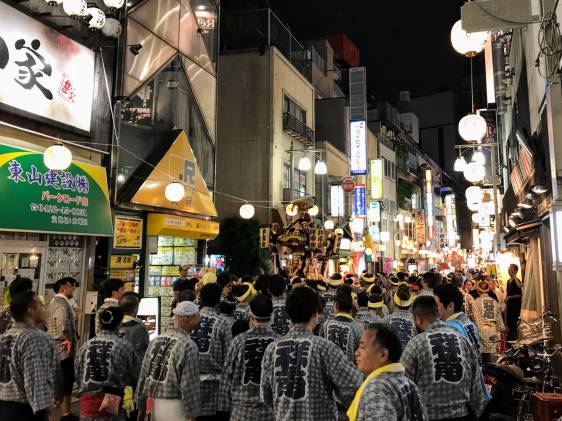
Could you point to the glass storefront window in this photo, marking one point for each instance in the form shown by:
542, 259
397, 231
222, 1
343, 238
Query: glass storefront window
206, 14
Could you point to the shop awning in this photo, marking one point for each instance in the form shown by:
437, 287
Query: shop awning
180, 226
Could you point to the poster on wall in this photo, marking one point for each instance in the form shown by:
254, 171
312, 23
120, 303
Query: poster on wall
127, 233
420, 226
44, 72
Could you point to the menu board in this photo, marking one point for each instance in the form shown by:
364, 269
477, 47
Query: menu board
164, 256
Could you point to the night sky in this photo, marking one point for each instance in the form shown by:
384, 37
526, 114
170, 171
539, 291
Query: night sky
405, 44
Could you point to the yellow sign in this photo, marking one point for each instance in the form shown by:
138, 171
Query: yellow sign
376, 179
178, 226
119, 261
177, 165
127, 233
170, 271
420, 226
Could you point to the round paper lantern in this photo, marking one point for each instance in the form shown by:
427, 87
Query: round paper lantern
174, 192
114, 4
95, 18
112, 28
474, 172
247, 211
476, 218
320, 168
304, 164
478, 156
53, 2
472, 127
467, 44
291, 209
57, 157
460, 164
75, 8
329, 224
313, 211
474, 194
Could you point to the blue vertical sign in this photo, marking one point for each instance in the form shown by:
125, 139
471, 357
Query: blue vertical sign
359, 204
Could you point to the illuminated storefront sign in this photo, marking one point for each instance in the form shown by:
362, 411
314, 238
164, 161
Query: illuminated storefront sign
429, 202
376, 179
451, 218
359, 204
374, 214
336, 201
358, 147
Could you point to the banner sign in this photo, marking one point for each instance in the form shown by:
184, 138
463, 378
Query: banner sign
128, 233
358, 158
420, 226
359, 204
376, 179
74, 201
44, 72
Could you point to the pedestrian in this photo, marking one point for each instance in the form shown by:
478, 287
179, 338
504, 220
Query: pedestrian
213, 337
443, 365
343, 330
105, 365
429, 281
16, 286
468, 300
243, 293
280, 322
488, 320
377, 308
28, 363
182, 282
514, 294
362, 308
450, 302
401, 320
303, 374
241, 376
133, 328
386, 394
113, 290
61, 326
335, 281
169, 382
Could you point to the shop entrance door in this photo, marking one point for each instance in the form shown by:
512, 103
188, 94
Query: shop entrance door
24, 259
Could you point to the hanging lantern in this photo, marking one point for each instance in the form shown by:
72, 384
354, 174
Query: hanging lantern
467, 44
57, 157
476, 218
478, 156
114, 4
338, 231
313, 211
329, 224
291, 209
473, 206
112, 28
460, 164
174, 192
474, 172
474, 194
75, 8
472, 127
247, 211
95, 18
304, 164
320, 168
53, 2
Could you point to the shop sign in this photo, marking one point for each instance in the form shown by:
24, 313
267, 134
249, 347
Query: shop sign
178, 226
358, 159
128, 233
74, 201
337, 200
376, 179
120, 261
359, 205
374, 212
420, 226
44, 72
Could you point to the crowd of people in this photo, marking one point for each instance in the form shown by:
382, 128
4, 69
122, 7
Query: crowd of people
399, 347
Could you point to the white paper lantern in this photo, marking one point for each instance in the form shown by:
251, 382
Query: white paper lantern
114, 4
472, 127
473, 206
304, 164
112, 28
95, 18
320, 168
476, 218
474, 194
460, 164
291, 209
329, 224
174, 192
313, 211
478, 156
75, 8
247, 211
57, 157
467, 44
474, 172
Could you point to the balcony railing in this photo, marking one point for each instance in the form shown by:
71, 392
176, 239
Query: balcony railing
297, 129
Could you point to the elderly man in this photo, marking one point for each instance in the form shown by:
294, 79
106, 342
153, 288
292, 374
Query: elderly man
386, 394
170, 371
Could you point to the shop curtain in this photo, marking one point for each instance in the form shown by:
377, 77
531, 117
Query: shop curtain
531, 302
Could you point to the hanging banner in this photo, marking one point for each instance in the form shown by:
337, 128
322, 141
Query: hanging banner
44, 72
420, 226
128, 233
73, 201
359, 204
358, 149
376, 179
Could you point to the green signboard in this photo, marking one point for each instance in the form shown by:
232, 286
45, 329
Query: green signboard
37, 199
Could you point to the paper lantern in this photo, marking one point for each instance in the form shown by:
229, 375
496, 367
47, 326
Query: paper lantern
247, 211
474, 172
112, 28
478, 156
472, 127
174, 192
476, 218
313, 211
57, 157
320, 168
95, 18
329, 224
114, 4
467, 44
460, 164
304, 164
75, 8
474, 194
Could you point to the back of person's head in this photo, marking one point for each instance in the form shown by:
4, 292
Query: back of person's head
261, 307
20, 303
187, 295
344, 300
277, 285
448, 293
348, 280
242, 291
375, 298
302, 305
362, 299
247, 279
402, 277
425, 308
223, 279
432, 279
129, 303
111, 318
262, 284
63, 281
228, 305
210, 295
240, 326
386, 338
404, 297
457, 280
20, 285
111, 285
345, 288
376, 290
